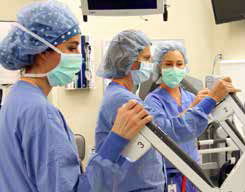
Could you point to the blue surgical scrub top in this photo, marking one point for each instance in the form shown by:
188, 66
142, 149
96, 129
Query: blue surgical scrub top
38, 152
170, 108
146, 173
160, 100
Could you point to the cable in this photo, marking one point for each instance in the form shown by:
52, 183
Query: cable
217, 57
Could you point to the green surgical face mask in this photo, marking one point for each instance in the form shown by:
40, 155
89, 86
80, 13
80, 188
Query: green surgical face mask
173, 76
65, 71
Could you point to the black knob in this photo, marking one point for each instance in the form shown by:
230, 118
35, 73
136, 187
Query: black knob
85, 18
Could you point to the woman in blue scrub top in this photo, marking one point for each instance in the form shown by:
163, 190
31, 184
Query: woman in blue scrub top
127, 63
172, 100
38, 152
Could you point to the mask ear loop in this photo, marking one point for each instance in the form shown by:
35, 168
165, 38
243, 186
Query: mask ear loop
37, 37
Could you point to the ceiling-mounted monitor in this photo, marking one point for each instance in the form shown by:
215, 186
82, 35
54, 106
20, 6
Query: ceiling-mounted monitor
228, 10
121, 7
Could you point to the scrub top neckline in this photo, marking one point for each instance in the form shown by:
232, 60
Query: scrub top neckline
170, 96
31, 85
116, 83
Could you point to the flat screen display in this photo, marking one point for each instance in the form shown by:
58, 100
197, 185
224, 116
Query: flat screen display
228, 10
121, 4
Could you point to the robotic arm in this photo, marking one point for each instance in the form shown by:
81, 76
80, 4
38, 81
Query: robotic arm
152, 136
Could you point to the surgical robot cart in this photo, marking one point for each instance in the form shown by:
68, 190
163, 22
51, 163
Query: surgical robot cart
152, 136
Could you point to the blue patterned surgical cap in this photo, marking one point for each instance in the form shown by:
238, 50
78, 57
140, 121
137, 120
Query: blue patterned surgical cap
51, 20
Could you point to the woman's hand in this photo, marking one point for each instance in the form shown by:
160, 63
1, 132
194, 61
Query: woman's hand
222, 88
200, 96
130, 119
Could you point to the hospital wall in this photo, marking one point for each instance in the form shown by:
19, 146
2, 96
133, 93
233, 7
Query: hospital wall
10, 7
189, 20
229, 39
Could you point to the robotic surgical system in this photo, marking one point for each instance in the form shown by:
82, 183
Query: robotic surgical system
152, 136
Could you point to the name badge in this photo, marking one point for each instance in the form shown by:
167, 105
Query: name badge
172, 188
